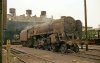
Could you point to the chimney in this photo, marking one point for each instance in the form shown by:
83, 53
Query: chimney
12, 11
28, 12
43, 14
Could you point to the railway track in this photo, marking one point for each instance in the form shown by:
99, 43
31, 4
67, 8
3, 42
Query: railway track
24, 57
88, 55
29, 58
14, 51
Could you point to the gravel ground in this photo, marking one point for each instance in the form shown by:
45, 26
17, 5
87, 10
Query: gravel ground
56, 57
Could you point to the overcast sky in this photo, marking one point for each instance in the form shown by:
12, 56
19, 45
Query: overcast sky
57, 8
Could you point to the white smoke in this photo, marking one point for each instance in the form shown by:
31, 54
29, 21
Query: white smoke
26, 28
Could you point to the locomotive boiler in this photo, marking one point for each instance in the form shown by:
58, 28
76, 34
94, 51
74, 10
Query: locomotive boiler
58, 35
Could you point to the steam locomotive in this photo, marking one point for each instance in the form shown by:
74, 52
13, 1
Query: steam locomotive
58, 35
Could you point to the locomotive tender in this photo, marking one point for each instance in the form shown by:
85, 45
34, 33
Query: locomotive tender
59, 35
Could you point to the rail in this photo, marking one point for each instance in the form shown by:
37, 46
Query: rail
17, 52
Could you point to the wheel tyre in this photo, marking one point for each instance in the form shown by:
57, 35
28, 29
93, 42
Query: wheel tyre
23, 44
76, 49
53, 48
30, 45
63, 48
49, 48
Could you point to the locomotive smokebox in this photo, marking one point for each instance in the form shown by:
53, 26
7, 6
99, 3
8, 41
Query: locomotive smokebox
12, 11
28, 12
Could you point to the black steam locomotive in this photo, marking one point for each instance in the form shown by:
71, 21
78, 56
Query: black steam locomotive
58, 35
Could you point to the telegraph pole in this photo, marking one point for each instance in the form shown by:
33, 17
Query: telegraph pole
85, 11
